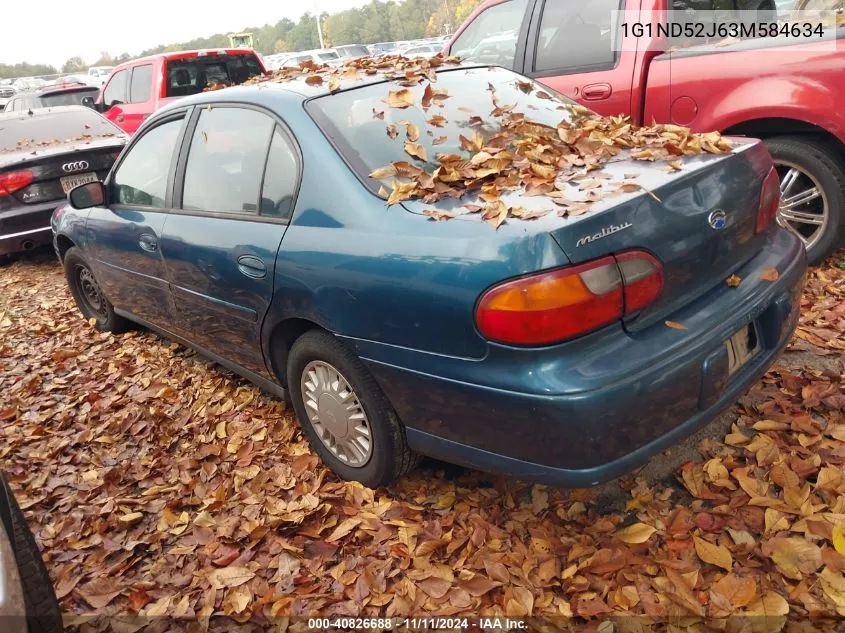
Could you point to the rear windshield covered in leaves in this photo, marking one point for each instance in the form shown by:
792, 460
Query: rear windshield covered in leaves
370, 133
49, 127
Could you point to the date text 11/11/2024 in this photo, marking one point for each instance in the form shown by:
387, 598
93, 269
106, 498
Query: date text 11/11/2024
494, 623
705, 30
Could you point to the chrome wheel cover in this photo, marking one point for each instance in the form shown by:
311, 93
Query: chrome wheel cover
336, 413
804, 208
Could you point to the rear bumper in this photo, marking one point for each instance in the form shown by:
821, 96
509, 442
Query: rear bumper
26, 227
588, 411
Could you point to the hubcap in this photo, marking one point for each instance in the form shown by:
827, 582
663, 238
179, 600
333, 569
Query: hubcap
91, 293
803, 204
336, 413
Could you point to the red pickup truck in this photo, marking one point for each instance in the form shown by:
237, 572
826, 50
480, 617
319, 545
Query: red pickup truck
789, 92
137, 88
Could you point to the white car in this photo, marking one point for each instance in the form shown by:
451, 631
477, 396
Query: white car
422, 50
97, 75
318, 56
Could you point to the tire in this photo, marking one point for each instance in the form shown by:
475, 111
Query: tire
80, 279
389, 457
823, 171
43, 614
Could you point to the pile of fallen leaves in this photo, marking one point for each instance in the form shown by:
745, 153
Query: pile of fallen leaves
518, 153
159, 484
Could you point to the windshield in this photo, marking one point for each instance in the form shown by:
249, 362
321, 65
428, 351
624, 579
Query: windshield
191, 76
371, 134
50, 127
69, 97
353, 51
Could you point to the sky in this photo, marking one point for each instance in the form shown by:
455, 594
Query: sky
51, 31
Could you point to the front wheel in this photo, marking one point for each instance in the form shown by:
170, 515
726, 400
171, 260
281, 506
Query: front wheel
89, 297
812, 185
344, 413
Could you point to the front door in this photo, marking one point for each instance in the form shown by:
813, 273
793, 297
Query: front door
113, 97
139, 102
125, 236
220, 246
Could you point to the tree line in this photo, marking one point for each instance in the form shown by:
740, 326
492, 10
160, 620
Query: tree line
378, 21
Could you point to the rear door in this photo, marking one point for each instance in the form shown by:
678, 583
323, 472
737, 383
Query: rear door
126, 235
570, 48
237, 177
139, 102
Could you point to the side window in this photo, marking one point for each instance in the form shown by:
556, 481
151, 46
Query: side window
10, 107
491, 37
280, 177
226, 160
141, 85
575, 36
115, 91
141, 179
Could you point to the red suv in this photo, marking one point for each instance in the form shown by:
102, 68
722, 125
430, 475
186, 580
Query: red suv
138, 88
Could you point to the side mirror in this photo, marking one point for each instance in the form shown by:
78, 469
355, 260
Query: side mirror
88, 102
91, 194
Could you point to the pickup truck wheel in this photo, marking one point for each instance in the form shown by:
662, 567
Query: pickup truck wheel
812, 193
88, 296
343, 412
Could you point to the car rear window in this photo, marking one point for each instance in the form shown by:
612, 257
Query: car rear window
352, 118
53, 125
191, 76
327, 56
68, 97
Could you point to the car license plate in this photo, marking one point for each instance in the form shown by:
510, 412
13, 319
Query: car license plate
69, 182
742, 347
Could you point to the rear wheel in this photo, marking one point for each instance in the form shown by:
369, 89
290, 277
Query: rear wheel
812, 193
88, 295
344, 413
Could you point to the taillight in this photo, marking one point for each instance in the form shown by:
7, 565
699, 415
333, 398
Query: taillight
769, 201
642, 276
565, 303
13, 181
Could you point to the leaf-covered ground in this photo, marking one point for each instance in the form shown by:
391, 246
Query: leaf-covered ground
159, 484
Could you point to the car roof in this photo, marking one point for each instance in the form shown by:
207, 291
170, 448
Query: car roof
43, 112
292, 90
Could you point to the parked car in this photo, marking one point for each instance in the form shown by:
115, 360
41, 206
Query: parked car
539, 349
384, 48
352, 51
6, 93
99, 74
52, 96
28, 83
422, 50
138, 88
318, 56
27, 601
44, 153
784, 90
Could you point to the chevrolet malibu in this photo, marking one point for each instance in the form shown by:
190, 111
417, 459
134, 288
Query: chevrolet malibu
544, 293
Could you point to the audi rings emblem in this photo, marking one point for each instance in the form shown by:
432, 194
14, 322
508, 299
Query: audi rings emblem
77, 166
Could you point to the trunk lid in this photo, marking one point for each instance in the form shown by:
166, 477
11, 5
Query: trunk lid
699, 223
50, 165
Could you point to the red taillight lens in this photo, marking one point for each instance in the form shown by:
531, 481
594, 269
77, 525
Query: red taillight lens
561, 304
13, 181
642, 276
769, 201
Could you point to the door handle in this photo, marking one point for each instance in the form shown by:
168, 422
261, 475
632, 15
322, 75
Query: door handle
148, 242
596, 92
120, 118
252, 266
